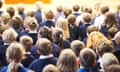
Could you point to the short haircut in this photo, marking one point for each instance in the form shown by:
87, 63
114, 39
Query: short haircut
87, 9
5, 17
87, 57
30, 13
20, 8
86, 17
59, 8
27, 42
108, 59
33, 25
9, 35
67, 11
77, 46
11, 11
104, 9
104, 46
50, 68
1, 3
44, 46
112, 31
118, 7
117, 35
45, 32
76, 7
92, 28
71, 19
49, 14
113, 68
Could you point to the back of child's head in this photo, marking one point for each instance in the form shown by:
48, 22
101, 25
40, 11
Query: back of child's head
44, 46
76, 7
118, 7
71, 19
77, 46
45, 32
112, 31
104, 9
49, 14
1, 3
59, 8
33, 25
39, 5
107, 60
87, 57
50, 68
67, 61
26, 21
5, 17
117, 37
27, 42
9, 35
11, 11
104, 46
87, 9
14, 54
91, 28
67, 11
30, 13
86, 17
113, 68
20, 8
16, 22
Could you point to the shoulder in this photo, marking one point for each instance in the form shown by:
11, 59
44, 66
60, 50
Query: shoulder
4, 69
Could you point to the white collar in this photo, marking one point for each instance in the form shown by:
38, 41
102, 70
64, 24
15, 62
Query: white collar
45, 56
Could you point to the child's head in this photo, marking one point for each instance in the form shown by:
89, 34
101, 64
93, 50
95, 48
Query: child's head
30, 13
86, 17
118, 7
113, 68
44, 46
16, 22
45, 32
49, 14
112, 31
39, 5
77, 46
87, 9
59, 8
76, 7
27, 42
11, 11
87, 57
9, 35
67, 61
104, 9
107, 60
71, 19
104, 46
117, 37
67, 11
63, 24
50, 68
1, 3
91, 28
5, 17
20, 8
15, 52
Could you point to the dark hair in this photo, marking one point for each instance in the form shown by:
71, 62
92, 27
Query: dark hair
76, 7
59, 8
92, 28
86, 17
87, 9
112, 31
67, 12
49, 14
104, 9
104, 46
1, 3
44, 46
46, 32
11, 11
71, 19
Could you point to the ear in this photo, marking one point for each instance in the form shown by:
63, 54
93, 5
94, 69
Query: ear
94, 63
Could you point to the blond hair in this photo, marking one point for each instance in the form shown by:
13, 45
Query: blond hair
62, 23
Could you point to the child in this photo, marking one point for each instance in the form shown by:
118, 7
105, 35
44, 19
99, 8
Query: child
11, 11
50, 68
87, 59
67, 61
14, 54
44, 48
67, 11
113, 68
27, 43
76, 8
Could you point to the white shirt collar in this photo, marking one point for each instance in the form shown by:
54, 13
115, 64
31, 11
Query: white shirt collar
45, 56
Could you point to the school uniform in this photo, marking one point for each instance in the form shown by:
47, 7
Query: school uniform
82, 31
38, 16
84, 70
58, 15
48, 23
76, 14
28, 59
20, 69
22, 15
38, 64
73, 30
104, 30
117, 15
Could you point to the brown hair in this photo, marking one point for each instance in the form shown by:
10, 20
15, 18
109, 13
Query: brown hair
49, 14
44, 46
76, 7
59, 8
30, 13
86, 17
87, 57
77, 46
104, 46
50, 68
118, 7
92, 28
113, 68
71, 19
104, 9
112, 31
67, 11
1, 3
27, 42
87, 9
11, 11
67, 61
33, 25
